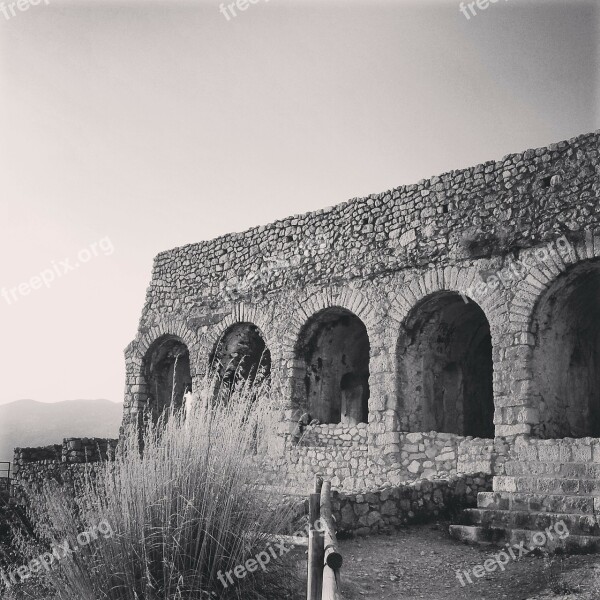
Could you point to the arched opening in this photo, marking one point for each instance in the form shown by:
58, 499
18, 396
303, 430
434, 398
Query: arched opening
241, 354
445, 368
167, 372
566, 356
333, 350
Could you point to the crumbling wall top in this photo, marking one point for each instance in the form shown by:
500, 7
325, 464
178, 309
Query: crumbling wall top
490, 209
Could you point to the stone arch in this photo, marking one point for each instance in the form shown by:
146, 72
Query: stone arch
138, 393
445, 367
539, 267
332, 354
310, 304
241, 353
464, 281
243, 313
565, 361
166, 369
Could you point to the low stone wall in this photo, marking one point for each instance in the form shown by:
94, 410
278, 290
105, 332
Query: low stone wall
337, 436
428, 455
64, 463
344, 456
72, 450
81, 450
421, 501
347, 468
341, 454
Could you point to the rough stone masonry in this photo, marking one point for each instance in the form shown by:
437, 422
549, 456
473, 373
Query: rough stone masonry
445, 329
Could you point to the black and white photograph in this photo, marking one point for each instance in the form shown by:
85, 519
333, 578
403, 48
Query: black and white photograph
300, 299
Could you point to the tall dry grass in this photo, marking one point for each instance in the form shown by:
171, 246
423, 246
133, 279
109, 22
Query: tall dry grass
190, 505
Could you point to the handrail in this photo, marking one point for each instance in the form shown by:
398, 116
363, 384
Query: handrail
333, 559
324, 558
331, 588
316, 550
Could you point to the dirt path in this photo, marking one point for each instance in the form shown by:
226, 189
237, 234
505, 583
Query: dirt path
421, 563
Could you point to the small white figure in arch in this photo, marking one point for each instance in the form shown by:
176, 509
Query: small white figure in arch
189, 401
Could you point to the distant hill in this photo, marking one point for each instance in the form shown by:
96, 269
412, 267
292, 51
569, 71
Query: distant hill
27, 423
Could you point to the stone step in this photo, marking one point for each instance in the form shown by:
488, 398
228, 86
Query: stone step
557, 470
475, 534
556, 503
557, 451
573, 544
533, 521
547, 485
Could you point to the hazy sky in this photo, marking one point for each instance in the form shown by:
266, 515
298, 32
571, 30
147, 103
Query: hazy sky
146, 125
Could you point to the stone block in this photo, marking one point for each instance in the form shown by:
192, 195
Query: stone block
414, 467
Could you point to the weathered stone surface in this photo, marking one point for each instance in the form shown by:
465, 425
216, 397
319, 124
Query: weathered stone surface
386, 509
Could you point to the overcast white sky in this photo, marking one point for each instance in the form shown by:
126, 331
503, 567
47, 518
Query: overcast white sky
156, 124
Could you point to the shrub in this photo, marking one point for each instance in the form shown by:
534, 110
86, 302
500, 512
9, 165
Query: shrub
189, 505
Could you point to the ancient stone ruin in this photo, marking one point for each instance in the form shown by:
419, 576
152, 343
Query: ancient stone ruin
447, 330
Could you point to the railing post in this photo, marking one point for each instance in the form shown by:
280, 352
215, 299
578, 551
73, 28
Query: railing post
316, 550
318, 484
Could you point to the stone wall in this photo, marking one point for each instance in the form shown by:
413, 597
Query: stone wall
342, 455
465, 304
384, 510
335, 435
65, 463
339, 454
494, 237
398, 229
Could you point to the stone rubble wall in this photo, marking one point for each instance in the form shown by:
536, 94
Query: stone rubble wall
379, 258
401, 228
72, 450
384, 510
65, 463
335, 435
344, 458
340, 454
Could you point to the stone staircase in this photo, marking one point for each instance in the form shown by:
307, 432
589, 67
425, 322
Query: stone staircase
535, 494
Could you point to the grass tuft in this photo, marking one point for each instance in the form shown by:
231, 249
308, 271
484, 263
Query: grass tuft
190, 505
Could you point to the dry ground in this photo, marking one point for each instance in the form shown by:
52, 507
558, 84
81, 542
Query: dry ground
421, 563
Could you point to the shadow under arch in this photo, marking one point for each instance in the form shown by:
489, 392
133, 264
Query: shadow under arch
445, 368
241, 354
166, 368
566, 356
333, 352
